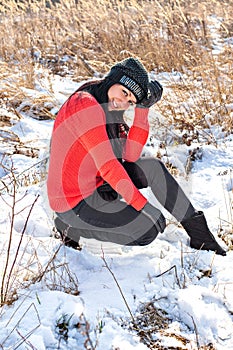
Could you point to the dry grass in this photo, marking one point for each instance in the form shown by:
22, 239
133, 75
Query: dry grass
166, 35
85, 37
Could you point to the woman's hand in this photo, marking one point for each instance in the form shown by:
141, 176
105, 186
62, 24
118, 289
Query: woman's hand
155, 92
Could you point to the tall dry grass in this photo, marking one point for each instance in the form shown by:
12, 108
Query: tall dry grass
165, 34
83, 38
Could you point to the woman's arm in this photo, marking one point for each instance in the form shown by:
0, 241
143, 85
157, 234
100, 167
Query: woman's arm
138, 135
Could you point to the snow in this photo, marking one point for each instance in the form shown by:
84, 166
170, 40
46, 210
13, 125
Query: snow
76, 303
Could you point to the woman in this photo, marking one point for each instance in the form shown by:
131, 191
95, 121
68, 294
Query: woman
95, 170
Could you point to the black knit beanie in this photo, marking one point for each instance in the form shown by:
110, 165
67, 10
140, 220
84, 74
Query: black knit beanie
132, 74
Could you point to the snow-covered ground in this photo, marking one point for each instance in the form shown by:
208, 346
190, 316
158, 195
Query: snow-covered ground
75, 302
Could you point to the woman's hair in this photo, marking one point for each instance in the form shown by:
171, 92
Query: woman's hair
114, 119
89, 83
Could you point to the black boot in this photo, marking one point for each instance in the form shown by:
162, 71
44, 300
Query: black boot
65, 230
201, 237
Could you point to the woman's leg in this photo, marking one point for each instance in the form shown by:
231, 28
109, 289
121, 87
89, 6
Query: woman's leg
114, 221
153, 173
109, 221
105, 217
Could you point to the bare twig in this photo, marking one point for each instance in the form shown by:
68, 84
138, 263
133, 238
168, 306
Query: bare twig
196, 332
176, 275
118, 286
15, 346
5, 283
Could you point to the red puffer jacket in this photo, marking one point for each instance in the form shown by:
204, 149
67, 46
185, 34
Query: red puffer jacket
81, 156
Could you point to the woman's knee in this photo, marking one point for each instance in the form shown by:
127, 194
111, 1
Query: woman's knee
156, 164
154, 170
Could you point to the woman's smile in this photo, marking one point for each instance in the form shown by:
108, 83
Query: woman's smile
120, 98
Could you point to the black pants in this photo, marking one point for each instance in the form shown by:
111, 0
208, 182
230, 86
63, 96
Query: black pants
105, 217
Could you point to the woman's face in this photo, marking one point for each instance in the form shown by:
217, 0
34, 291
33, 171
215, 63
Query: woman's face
120, 98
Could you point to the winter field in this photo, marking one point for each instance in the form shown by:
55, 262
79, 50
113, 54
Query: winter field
108, 297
